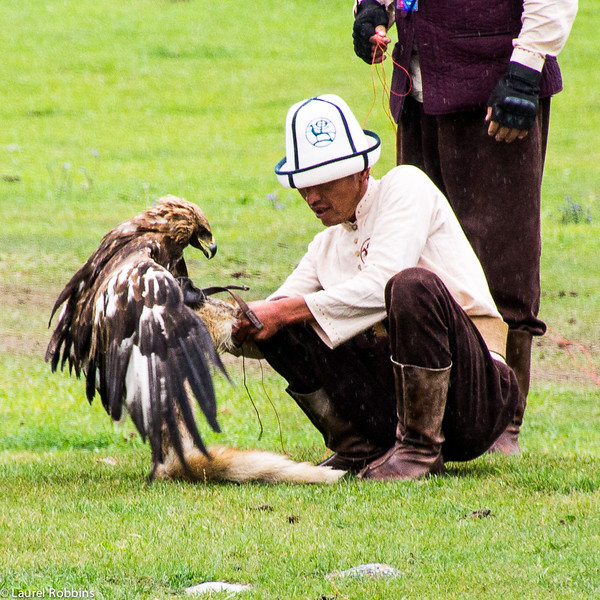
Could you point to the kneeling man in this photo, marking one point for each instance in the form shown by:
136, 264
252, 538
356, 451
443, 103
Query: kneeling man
386, 331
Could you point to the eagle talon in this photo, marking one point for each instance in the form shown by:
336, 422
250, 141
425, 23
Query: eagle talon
192, 296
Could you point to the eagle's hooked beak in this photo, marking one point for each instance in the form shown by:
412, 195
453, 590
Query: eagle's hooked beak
208, 245
210, 250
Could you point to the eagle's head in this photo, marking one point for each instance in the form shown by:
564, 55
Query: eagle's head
181, 221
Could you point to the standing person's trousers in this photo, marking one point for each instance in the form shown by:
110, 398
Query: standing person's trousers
494, 189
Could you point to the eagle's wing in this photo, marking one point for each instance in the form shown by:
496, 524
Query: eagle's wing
145, 348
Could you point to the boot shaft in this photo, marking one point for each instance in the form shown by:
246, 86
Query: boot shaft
518, 357
421, 396
352, 449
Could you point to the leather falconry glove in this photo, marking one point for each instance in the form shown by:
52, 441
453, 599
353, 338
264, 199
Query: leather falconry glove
514, 100
369, 15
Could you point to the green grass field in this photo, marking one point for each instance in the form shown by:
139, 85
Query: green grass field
104, 107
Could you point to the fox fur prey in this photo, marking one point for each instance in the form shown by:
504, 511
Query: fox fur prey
242, 466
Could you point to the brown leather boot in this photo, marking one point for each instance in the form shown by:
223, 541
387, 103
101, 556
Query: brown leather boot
518, 358
421, 396
352, 450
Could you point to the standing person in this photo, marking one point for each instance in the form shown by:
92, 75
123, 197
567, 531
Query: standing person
474, 116
386, 331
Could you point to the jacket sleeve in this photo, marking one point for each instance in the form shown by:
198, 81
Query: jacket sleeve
546, 27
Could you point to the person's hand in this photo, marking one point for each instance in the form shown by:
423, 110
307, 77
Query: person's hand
501, 133
273, 314
513, 105
379, 44
267, 313
371, 19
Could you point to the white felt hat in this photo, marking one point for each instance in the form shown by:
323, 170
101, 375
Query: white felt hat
324, 142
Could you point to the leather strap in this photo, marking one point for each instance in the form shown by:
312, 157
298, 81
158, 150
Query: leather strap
246, 310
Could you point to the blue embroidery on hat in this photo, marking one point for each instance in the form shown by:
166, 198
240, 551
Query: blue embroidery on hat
320, 132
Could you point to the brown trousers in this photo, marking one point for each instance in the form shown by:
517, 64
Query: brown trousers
494, 189
426, 328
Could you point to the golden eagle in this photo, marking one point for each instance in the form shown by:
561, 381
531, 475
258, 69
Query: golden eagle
134, 324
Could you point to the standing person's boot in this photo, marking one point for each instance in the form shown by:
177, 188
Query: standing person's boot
421, 396
518, 358
352, 450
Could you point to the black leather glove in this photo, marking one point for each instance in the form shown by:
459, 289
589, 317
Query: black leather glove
369, 15
514, 100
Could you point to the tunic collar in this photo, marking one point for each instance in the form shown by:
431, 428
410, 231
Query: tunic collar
362, 208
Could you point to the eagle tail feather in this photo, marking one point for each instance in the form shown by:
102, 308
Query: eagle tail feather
176, 442
204, 345
134, 404
90, 381
156, 409
117, 362
198, 376
181, 397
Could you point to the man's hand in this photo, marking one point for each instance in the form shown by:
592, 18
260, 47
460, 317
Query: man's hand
379, 44
273, 314
370, 26
513, 105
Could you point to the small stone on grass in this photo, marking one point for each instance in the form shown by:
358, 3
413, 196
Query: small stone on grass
368, 570
216, 586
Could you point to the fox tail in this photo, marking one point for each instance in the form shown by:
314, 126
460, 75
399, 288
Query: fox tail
241, 466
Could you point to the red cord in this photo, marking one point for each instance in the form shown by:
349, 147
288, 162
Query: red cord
387, 91
566, 343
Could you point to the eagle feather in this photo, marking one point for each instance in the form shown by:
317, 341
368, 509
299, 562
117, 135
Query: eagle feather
125, 325
146, 340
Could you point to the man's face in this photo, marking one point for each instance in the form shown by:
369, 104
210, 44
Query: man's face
336, 201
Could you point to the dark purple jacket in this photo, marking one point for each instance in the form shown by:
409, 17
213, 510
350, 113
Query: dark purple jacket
464, 48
